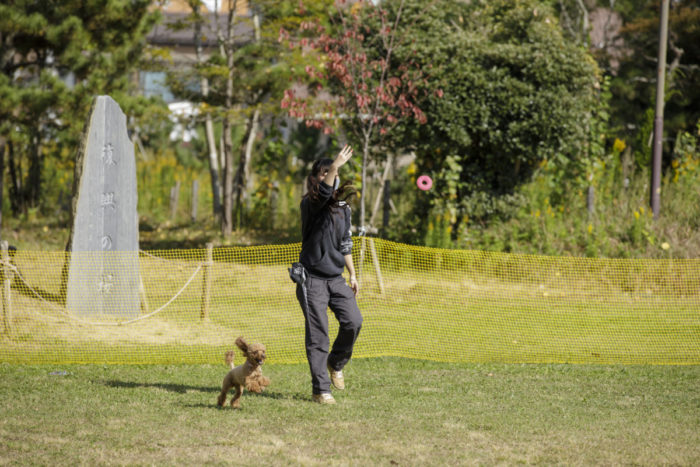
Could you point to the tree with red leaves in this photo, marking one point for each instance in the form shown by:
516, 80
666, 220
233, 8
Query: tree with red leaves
352, 78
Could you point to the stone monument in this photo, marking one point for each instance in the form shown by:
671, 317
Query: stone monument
103, 270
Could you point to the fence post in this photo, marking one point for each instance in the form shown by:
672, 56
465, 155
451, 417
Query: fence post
387, 204
361, 263
142, 293
174, 195
206, 282
274, 201
6, 293
375, 261
195, 200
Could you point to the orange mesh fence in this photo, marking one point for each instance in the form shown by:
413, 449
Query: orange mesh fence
417, 302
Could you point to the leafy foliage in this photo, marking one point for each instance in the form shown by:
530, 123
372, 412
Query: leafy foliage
516, 92
356, 81
620, 223
54, 57
634, 82
356, 69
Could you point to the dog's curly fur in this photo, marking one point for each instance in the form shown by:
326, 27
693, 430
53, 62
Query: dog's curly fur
248, 375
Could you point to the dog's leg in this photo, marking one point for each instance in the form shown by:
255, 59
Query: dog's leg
236, 401
222, 397
225, 388
221, 400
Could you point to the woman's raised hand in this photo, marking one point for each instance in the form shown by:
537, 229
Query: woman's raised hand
343, 156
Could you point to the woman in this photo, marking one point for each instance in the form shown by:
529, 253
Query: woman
326, 250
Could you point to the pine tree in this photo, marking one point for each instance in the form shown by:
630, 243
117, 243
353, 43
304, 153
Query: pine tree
54, 58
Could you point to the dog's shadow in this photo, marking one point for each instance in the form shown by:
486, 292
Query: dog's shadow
183, 389
172, 387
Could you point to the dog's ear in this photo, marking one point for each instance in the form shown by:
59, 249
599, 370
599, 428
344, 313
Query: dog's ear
242, 344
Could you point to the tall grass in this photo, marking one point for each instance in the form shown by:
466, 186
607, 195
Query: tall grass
555, 218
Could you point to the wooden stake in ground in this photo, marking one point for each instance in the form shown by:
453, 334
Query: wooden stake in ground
174, 198
195, 200
6, 292
206, 283
375, 261
142, 294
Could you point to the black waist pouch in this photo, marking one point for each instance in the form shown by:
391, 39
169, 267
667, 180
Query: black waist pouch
297, 273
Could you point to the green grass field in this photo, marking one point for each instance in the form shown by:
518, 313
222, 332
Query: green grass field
394, 412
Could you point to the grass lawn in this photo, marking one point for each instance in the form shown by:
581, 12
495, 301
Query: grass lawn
394, 412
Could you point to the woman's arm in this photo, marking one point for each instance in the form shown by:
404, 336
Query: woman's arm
354, 285
344, 156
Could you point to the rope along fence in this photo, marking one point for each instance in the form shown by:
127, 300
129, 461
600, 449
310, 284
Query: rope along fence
424, 303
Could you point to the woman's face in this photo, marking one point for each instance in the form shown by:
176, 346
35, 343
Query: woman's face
323, 171
322, 174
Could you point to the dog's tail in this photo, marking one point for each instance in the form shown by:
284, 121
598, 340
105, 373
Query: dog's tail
229, 359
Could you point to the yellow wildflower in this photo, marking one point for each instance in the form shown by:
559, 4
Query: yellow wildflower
619, 145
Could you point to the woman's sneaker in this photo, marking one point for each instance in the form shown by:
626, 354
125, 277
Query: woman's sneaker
325, 398
337, 378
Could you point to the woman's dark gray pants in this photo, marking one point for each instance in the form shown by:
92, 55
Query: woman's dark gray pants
315, 297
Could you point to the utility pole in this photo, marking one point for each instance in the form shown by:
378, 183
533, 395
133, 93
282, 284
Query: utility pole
659, 117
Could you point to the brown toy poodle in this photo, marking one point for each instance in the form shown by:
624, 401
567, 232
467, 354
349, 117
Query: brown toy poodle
248, 375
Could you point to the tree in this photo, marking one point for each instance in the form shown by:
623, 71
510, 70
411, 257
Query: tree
245, 77
516, 93
54, 57
181, 81
636, 77
624, 41
353, 78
